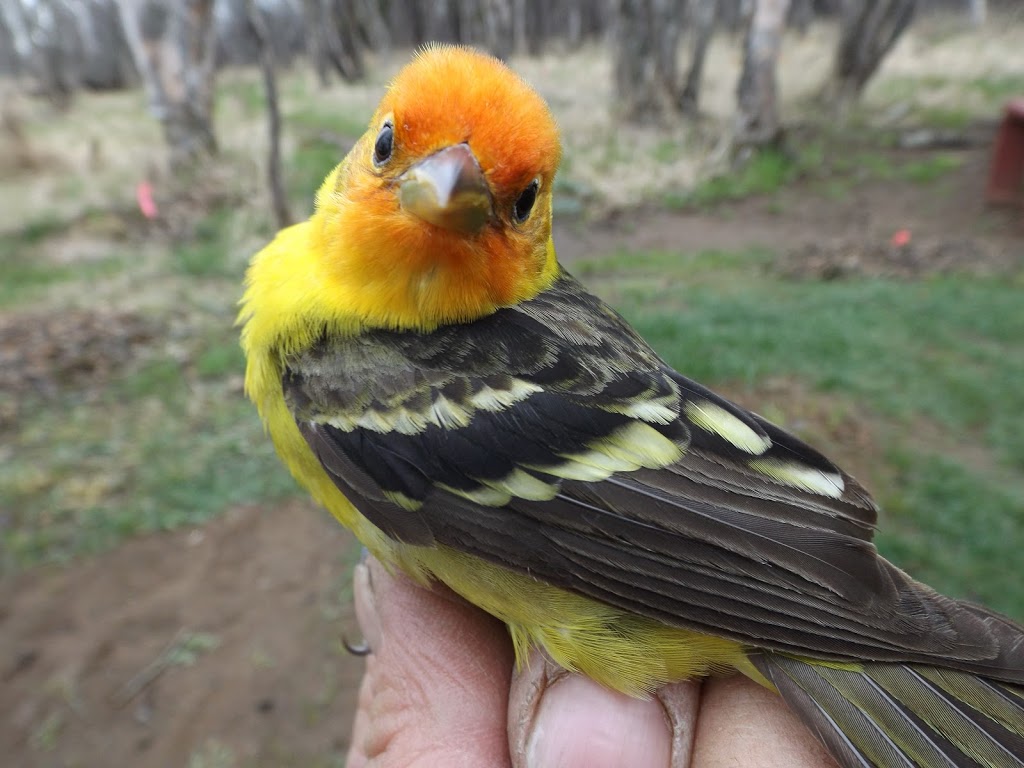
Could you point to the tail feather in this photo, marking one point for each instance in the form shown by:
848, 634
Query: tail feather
885, 715
1000, 701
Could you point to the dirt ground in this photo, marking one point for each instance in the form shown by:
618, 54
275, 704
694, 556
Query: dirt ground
221, 646
217, 646
950, 227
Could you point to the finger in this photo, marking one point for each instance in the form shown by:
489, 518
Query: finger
436, 684
370, 626
562, 719
743, 723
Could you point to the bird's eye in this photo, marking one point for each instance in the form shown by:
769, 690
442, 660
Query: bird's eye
524, 204
384, 144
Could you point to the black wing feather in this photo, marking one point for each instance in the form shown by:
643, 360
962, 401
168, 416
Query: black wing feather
707, 542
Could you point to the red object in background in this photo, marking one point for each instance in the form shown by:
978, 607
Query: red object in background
1006, 176
144, 196
900, 237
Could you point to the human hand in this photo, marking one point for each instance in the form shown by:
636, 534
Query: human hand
440, 690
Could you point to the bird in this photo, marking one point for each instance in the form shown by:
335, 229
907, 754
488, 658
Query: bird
434, 377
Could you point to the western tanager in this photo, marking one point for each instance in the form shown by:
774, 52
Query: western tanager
432, 375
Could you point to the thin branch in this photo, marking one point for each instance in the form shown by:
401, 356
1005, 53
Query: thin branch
266, 57
148, 674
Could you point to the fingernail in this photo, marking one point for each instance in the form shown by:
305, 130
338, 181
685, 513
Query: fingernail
580, 724
366, 605
681, 702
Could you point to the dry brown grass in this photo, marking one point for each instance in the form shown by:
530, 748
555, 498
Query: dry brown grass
106, 143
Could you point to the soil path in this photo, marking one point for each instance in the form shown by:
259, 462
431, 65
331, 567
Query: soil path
247, 614
950, 210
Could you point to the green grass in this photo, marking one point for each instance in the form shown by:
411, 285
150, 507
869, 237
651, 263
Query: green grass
32, 233
998, 88
866, 164
207, 253
876, 164
324, 138
930, 169
835, 160
667, 151
249, 93
943, 103
46, 734
28, 268
220, 358
946, 118
942, 352
312, 160
213, 754
310, 119
766, 172
958, 529
26, 277
163, 449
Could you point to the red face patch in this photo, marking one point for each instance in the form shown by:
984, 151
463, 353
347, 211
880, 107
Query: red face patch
450, 95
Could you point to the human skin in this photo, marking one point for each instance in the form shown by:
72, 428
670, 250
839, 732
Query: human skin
441, 689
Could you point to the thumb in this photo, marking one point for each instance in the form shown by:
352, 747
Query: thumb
436, 682
557, 718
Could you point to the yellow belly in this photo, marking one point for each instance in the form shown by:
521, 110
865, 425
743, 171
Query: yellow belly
629, 653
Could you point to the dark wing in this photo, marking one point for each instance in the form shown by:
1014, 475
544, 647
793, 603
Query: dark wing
550, 439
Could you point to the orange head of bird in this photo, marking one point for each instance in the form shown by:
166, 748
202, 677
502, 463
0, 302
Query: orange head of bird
442, 211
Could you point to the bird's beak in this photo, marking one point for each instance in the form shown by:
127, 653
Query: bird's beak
448, 189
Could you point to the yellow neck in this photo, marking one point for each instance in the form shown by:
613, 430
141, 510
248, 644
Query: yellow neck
366, 260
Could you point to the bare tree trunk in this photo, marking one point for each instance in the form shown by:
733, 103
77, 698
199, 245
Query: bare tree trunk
801, 14
439, 21
668, 18
979, 11
258, 27
316, 40
174, 50
635, 91
134, 15
13, 14
468, 14
190, 80
574, 25
49, 46
735, 14
599, 18
108, 60
332, 38
870, 28
646, 52
497, 27
342, 45
757, 119
519, 25
703, 17
370, 17
538, 25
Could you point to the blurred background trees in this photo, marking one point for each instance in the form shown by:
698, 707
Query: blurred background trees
868, 32
174, 47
